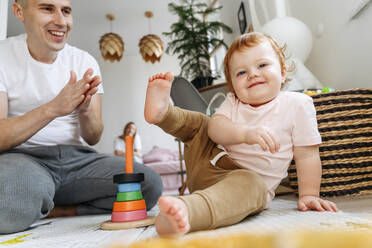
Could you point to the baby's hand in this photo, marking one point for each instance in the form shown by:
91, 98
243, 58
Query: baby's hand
262, 136
315, 203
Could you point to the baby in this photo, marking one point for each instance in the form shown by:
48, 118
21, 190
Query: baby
259, 129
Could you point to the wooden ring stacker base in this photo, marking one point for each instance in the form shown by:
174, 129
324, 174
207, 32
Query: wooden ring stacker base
108, 225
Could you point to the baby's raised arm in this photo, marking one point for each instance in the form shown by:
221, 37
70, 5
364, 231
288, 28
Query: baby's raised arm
224, 132
309, 173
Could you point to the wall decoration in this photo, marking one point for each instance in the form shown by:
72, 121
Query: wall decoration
111, 44
360, 7
151, 46
242, 19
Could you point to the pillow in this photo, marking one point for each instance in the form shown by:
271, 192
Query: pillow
158, 154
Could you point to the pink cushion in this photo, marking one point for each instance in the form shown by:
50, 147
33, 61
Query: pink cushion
158, 154
169, 173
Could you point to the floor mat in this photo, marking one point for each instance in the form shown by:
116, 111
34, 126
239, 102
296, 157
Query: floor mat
267, 228
84, 231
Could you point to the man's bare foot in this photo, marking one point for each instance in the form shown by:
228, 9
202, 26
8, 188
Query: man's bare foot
173, 219
62, 211
157, 97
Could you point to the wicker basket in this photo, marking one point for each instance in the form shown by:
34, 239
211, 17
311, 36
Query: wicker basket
345, 124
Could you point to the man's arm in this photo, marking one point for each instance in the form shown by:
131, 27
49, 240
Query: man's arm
309, 174
17, 130
90, 118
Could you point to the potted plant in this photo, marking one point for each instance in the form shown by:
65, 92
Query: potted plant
193, 37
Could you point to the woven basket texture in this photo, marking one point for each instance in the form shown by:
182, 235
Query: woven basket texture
345, 125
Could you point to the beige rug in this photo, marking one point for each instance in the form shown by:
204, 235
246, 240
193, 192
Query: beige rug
282, 221
282, 226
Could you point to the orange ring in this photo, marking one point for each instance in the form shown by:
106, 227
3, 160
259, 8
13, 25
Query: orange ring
129, 206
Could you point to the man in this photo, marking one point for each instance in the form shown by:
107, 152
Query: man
50, 99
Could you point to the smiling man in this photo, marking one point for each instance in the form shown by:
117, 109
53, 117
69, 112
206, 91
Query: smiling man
50, 102
47, 26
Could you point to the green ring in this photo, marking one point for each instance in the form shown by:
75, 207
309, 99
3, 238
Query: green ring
129, 196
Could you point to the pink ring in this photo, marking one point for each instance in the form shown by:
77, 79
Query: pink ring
128, 216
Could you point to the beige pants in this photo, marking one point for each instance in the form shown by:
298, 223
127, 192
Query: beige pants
221, 195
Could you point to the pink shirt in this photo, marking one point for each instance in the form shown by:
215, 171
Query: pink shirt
290, 116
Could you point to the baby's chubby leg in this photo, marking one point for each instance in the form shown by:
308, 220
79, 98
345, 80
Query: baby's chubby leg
173, 218
157, 97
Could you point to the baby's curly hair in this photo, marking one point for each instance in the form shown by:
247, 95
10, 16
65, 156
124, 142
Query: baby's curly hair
251, 40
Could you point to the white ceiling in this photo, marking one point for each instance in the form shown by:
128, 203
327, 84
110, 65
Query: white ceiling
90, 22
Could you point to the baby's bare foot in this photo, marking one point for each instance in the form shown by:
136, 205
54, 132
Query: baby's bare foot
157, 97
173, 219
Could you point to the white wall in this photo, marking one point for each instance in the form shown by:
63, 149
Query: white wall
341, 56
125, 84
3, 18
229, 16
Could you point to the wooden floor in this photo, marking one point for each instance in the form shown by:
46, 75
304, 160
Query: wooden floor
84, 231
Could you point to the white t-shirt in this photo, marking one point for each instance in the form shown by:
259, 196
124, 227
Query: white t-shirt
290, 116
119, 145
30, 84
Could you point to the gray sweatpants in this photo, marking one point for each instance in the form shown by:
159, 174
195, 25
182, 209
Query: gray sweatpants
33, 180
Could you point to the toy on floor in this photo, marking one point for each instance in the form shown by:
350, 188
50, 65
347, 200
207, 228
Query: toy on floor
314, 92
129, 209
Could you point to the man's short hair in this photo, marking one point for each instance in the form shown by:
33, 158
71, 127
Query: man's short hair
23, 3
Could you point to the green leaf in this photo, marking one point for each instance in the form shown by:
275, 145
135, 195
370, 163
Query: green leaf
192, 37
